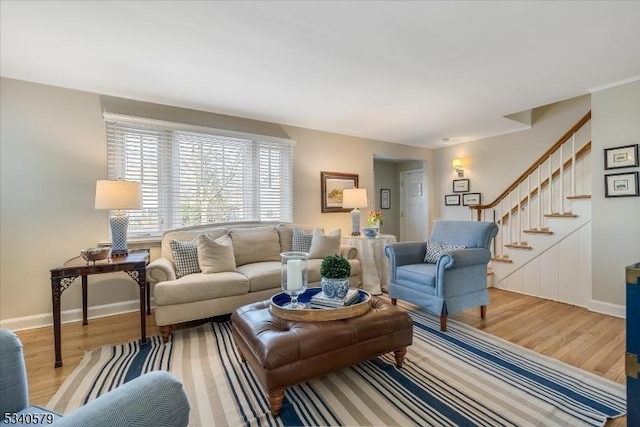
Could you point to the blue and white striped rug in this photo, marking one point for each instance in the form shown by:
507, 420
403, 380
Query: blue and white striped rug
463, 377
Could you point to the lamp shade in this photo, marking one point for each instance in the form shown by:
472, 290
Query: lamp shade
457, 163
354, 198
111, 194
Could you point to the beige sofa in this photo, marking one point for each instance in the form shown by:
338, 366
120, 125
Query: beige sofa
245, 260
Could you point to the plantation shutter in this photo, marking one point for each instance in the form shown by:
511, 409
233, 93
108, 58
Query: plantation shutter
194, 177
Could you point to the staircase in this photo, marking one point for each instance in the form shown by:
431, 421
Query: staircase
543, 247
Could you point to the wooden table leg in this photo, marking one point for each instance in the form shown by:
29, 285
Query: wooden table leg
84, 300
55, 298
142, 284
148, 291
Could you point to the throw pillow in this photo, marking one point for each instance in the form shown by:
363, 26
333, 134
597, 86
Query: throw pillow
323, 245
216, 255
435, 249
185, 257
301, 241
255, 245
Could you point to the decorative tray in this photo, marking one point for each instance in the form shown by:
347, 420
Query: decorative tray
318, 314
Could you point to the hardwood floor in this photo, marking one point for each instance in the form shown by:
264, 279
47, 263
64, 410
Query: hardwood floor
590, 341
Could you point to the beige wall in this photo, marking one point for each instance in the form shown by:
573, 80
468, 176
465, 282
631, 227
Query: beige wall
53, 149
615, 221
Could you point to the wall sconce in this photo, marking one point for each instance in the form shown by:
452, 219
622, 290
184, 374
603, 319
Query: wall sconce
457, 165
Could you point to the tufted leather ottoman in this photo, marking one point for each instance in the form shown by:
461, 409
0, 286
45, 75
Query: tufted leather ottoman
283, 352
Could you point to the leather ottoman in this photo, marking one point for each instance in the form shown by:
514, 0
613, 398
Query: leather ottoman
283, 353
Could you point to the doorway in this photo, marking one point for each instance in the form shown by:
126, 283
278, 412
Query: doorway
413, 202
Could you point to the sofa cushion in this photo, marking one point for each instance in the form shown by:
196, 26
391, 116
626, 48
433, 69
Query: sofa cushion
435, 249
185, 257
255, 244
215, 256
199, 287
301, 240
323, 245
187, 234
262, 275
285, 231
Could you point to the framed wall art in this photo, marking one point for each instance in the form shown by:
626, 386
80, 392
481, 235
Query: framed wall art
452, 200
385, 198
471, 199
460, 185
621, 157
621, 184
331, 186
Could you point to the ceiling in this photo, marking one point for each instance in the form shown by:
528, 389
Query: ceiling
405, 72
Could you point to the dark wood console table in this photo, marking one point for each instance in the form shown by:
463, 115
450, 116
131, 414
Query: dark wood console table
134, 264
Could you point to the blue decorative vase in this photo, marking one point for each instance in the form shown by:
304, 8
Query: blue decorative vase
334, 288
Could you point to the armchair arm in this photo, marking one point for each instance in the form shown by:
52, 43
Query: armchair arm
160, 270
14, 389
405, 253
348, 251
464, 257
153, 399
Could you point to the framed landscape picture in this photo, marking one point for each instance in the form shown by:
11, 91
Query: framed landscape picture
331, 186
621, 157
460, 185
621, 184
452, 200
470, 199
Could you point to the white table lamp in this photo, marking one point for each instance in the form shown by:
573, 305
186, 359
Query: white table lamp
118, 195
354, 198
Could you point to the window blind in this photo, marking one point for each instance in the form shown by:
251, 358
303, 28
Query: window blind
194, 177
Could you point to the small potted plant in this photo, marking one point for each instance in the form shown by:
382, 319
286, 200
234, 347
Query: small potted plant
335, 271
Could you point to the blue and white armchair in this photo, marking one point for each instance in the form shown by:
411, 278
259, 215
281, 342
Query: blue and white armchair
153, 399
439, 275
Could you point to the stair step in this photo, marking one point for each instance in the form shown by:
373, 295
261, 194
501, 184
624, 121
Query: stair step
504, 258
578, 197
560, 215
545, 231
522, 245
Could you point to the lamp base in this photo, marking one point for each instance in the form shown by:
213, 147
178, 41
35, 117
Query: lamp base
119, 226
355, 222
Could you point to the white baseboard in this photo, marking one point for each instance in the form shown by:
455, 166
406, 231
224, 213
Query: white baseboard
68, 316
602, 307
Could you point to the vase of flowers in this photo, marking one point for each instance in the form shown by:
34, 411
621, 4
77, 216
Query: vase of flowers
374, 220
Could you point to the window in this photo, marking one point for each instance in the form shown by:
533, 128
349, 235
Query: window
195, 175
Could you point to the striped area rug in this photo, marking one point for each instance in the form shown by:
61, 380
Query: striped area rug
463, 377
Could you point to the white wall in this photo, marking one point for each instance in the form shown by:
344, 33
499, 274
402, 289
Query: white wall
616, 221
53, 149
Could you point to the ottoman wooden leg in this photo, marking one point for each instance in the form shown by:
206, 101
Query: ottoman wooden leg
165, 331
275, 401
399, 355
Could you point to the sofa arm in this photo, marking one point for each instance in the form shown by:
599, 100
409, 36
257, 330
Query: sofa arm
14, 389
160, 270
348, 251
153, 399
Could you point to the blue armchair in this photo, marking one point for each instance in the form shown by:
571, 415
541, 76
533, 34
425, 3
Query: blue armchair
456, 281
153, 399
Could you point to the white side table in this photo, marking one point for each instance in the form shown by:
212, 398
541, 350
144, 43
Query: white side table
373, 261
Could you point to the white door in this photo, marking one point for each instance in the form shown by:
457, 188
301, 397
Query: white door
413, 218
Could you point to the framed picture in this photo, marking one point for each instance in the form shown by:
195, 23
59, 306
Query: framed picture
460, 185
471, 199
621, 157
331, 186
452, 200
621, 184
385, 198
